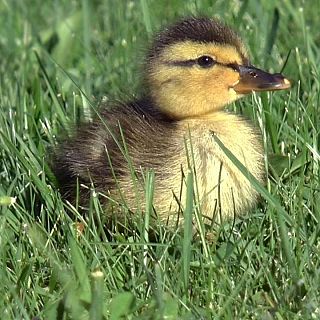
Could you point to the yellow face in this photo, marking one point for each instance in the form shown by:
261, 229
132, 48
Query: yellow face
193, 79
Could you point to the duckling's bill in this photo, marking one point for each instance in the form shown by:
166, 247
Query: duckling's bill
254, 79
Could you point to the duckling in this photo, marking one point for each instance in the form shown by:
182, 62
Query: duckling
193, 70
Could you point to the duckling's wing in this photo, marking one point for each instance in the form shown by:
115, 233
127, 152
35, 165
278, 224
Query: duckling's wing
102, 151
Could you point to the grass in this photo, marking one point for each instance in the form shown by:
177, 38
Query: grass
264, 265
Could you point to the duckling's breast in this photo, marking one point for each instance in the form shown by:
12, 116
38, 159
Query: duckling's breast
223, 189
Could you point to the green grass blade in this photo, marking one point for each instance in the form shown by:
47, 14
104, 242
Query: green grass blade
187, 232
96, 306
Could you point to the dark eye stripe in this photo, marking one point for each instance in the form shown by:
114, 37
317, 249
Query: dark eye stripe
233, 66
183, 63
192, 62
203, 61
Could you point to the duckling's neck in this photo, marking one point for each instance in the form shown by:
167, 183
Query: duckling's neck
190, 105
148, 107
217, 121
221, 116
230, 128
216, 115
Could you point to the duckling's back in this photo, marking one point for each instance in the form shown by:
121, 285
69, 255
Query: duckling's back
104, 153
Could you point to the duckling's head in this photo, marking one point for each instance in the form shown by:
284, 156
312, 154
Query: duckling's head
199, 65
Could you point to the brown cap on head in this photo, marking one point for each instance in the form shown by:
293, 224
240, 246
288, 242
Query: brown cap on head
201, 30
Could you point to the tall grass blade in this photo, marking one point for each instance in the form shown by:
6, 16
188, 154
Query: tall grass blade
187, 232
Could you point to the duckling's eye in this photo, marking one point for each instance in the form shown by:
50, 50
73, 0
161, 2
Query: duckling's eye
205, 61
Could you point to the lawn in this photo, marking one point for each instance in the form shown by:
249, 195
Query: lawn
59, 59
